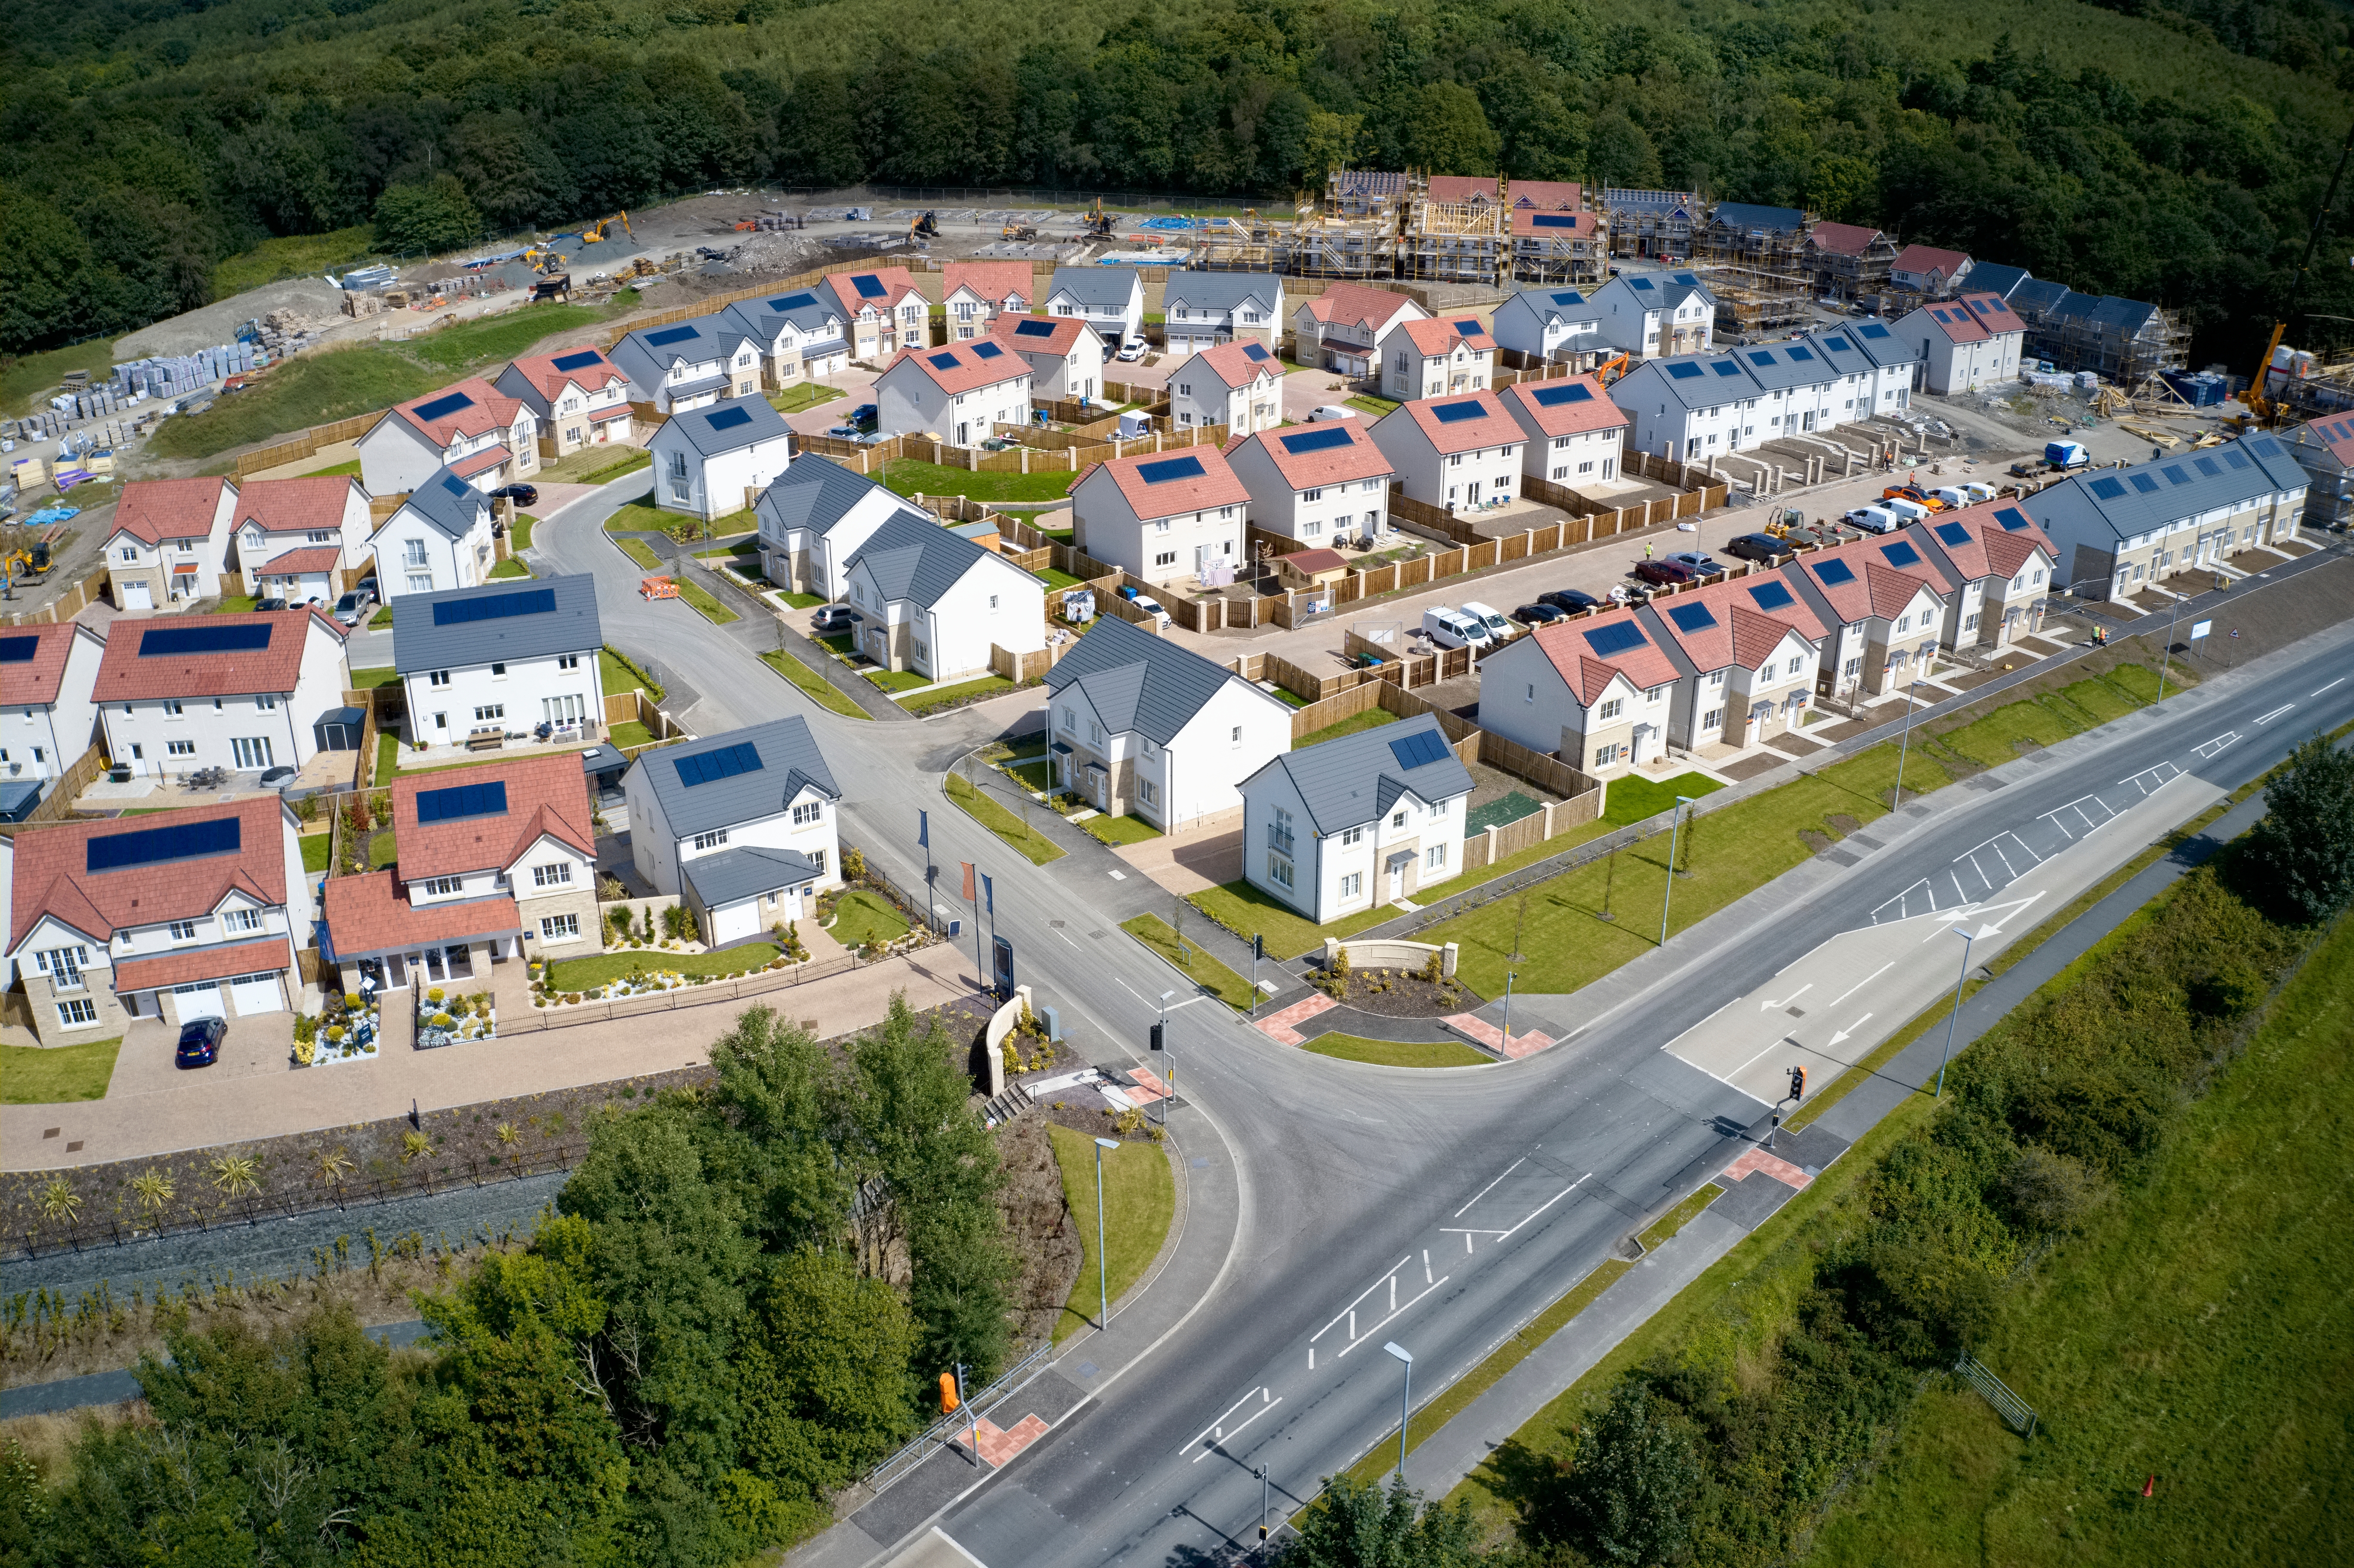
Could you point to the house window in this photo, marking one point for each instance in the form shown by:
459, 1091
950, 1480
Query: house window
179, 748
1279, 870
438, 678
490, 712
1711, 719
1435, 857
63, 966
560, 927
1603, 755
1397, 817
710, 840
1795, 665
130, 552
1165, 558
1852, 667
1611, 710
806, 812
1353, 884
242, 919
265, 703
77, 1013
444, 886
413, 553
1148, 792
170, 707
567, 661
499, 671
555, 876
1351, 836
817, 858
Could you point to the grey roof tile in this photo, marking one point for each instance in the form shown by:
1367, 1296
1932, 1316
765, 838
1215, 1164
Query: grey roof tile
789, 761
449, 502
911, 557
1138, 681
814, 495
714, 430
1221, 290
420, 642
1103, 288
747, 871
1355, 779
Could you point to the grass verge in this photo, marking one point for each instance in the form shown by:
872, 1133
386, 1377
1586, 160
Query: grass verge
1119, 830
908, 477
638, 551
861, 917
896, 681
804, 395
710, 609
619, 675
580, 974
1188, 960
233, 604
1140, 1200
814, 684
33, 1076
1397, 1052
509, 568
1035, 845
519, 536
988, 685
1248, 912
292, 256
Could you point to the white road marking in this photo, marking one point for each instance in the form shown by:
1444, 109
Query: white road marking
1385, 1322
1769, 1004
1846, 1032
2276, 712
1120, 876
1369, 1289
1864, 982
2208, 748
1779, 1042
2318, 690
1483, 1192
1425, 1267
1210, 1447
1213, 1425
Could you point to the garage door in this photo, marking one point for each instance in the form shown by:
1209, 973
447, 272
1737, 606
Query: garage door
138, 595
202, 999
257, 994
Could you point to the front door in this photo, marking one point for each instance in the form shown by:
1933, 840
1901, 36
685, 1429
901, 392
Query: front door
1397, 879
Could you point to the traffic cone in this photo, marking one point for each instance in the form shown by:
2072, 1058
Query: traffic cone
2149, 1487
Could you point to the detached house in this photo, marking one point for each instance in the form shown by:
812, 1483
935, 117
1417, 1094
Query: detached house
187, 915
1558, 248
711, 462
1109, 298
1239, 385
691, 365
170, 544
1137, 725
883, 311
1597, 693
1745, 653
1575, 434
1435, 358
1204, 310
741, 826
1365, 819
1455, 452
2114, 529
799, 334
975, 293
1066, 357
1998, 570
439, 539
48, 709
936, 603
1926, 271
1341, 328
577, 396
813, 518
1974, 342
469, 428
1650, 315
302, 538
501, 660
2324, 450
1880, 607
242, 691
1554, 324
494, 863
1321, 485
1162, 516
960, 394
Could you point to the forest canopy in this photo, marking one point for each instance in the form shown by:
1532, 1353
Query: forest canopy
2167, 152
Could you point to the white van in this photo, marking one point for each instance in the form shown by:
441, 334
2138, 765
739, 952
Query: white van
1905, 511
1873, 519
1953, 497
1450, 628
1323, 411
1498, 629
1978, 490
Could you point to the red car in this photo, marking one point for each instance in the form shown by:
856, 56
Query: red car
1663, 571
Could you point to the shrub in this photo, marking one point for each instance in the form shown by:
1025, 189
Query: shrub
442, 1021
334, 1033
305, 1052
853, 863
434, 995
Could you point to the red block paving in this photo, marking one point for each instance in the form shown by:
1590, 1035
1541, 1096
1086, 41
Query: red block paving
1278, 1026
1488, 1035
997, 1447
1149, 1086
1782, 1170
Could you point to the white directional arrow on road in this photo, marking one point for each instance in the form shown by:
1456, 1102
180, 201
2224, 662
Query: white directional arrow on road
1769, 1004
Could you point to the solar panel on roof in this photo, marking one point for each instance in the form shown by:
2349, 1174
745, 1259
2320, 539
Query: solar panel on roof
1901, 553
1771, 596
2208, 466
1639, 283
1800, 351
1691, 618
443, 406
673, 334
727, 417
1686, 278
1569, 297
1608, 641
2108, 487
1320, 440
1840, 343
19, 649
1569, 392
1872, 330
2143, 484
1420, 749
792, 302
2011, 518
1553, 221
158, 846
2175, 473
1456, 413
1034, 328
1685, 372
162, 641
1256, 351
1939, 315
463, 801
942, 361
2236, 457
494, 607
1726, 367
1763, 356
2265, 446
1835, 572
709, 766
1468, 328
869, 286
575, 360
986, 350
1953, 534
1167, 469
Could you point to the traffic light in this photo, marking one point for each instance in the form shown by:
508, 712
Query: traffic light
1156, 1036
1797, 1083
1259, 947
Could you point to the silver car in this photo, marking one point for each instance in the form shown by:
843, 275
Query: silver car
352, 606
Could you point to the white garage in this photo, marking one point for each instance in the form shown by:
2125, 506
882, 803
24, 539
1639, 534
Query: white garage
138, 595
202, 999
250, 994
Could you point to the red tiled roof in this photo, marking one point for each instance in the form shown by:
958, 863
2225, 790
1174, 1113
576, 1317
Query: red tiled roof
617, 411
205, 963
1361, 459
965, 371
1597, 412
1232, 364
1492, 427
1993, 312
541, 372
486, 409
1438, 339
544, 795
1548, 195
51, 875
38, 682
294, 562
1876, 590
155, 509
1928, 258
1742, 633
897, 284
123, 675
294, 505
482, 462
992, 280
1842, 239
1957, 324
1563, 644
1461, 187
370, 915
1216, 486
1526, 226
1059, 343
1353, 304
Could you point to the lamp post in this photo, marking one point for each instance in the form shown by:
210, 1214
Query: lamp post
1510, 976
1405, 1400
1970, 938
1172, 1063
1103, 1268
1262, 1510
1904, 741
2165, 654
1675, 830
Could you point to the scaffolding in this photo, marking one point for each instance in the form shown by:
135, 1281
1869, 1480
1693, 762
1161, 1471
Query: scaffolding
1653, 224
1248, 244
1465, 242
1751, 300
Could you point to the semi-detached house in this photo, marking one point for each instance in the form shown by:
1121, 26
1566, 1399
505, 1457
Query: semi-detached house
1162, 516
302, 538
958, 395
1354, 823
242, 691
1239, 385
499, 661
813, 519
937, 603
170, 543
1461, 453
2117, 528
690, 365
1655, 315
580, 397
1321, 485
798, 335
1597, 693
1881, 607
1436, 359
741, 827
439, 537
881, 310
974, 294
48, 709
1577, 435
1745, 653
1926, 269
1975, 341
469, 428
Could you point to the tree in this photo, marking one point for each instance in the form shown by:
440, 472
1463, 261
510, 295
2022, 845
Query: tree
2305, 846
419, 220
822, 1370
1356, 1524
1633, 1485
1448, 132
775, 1136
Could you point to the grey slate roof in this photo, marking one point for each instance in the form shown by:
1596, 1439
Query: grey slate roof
747, 871
1221, 290
1746, 216
790, 762
449, 502
1780, 365
1836, 346
2032, 298
1682, 286
2121, 503
1356, 778
712, 337
1097, 288
1138, 681
1566, 303
686, 389
419, 643
814, 496
911, 557
2104, 310
1996, 278
1712, 388
763, 319
697, 427
1880, 343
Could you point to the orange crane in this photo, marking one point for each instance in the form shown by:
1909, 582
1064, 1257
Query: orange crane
2263, 408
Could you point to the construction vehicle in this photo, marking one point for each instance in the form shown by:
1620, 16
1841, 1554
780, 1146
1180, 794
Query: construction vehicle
1611, 369
595, 233
1014, 231
1096, 223
2263, 408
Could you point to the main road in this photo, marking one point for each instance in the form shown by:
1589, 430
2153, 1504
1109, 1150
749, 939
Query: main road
1355, 1205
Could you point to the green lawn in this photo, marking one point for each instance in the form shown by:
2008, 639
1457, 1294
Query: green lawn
800, 600
1140, 1200
637, 459
895, 681
30, 1076
1057, 580
909, 477
1288, 697
710, 609
1119, 830
1732, 853
988, 685
804, 395
519, 536
1372, 718
1190, 960
814, 685
316, 848
380, 619
620, 677
1397, 1054
1992, 740
1246, 911
629, 732
580, 974
383, 850
1366, 403
642, 517
982, 809
508, 568
1631, 799
388, 758
638, 551
233, 604
861, 917
747, 546
338, 470
294, 256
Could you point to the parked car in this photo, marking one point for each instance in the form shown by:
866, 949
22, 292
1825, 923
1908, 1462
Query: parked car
277, 778
521, 495
200, 1042
1329, 412
353, 607
1664, 572
1569, 602
1133, 349
367, 585
866, 415
1149, 604
1756, 547
1498, 627
271, 603
1915, 494
1539, 614
834, 618
1873, 520
1450, 628
1700, 561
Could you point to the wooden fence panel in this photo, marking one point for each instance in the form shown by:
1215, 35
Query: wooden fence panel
1332, 710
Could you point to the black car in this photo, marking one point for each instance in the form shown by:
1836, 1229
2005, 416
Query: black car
834, 618
1539, 614
1569, 602
270, 604
1756, 547
521, 495
200, 1042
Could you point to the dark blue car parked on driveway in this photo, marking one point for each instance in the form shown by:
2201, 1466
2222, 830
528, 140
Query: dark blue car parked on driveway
200, 1042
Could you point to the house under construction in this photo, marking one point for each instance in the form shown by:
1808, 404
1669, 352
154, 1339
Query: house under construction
1752, 302
2120, 340
1654, 225
1457, 241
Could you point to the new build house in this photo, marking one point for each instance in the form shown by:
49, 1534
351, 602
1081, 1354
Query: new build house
1597, 693
1881, 606
302, 538
1927, 271
1461, 453
1695, 407
494, 863
1204, 310
1065, 356
1162, 516
174, 915
1651, 315
439, 537
742, 827
813, 518
959, 394
690, 363
883, 311
1239, 385
799, 334
1846, 259
2114, 529
973, 294
936, 603
1109, 298
48, 709
1137, 725
240, 691
713, 461
1975, 341
1575, 434
1436, 359
2324, 450
1341, 328
499, 661
576, 396
1556, 325
469, 428
1745, 653
170, 542
1361, 821
1558, 248
1321, 485
1998, 570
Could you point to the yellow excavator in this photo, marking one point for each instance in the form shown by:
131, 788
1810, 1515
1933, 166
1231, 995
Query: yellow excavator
1099, 222
595, 233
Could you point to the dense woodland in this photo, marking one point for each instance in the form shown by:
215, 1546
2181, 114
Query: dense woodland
2167, 153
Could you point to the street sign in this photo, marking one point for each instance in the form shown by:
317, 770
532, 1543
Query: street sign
2201, 629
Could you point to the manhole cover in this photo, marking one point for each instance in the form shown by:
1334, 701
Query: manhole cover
1099, 935
1056, 924
1797, 1011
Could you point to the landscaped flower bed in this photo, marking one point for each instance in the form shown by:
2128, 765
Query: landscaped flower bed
447, 1019
353, 1035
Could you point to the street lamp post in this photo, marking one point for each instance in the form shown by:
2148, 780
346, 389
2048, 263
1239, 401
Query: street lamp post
1675, 830
2165, 654
1262, 1511
1172, 1063
1903, 743
1968, 937
1510, 976
1405, 1400
1103, 1267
